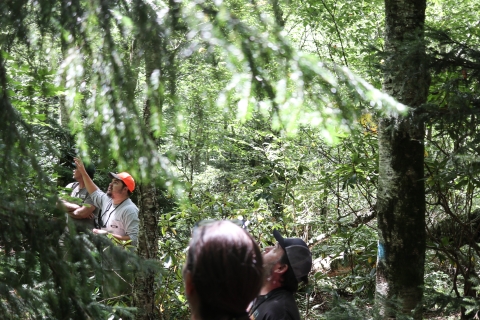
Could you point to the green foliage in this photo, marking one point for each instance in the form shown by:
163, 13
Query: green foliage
246, 104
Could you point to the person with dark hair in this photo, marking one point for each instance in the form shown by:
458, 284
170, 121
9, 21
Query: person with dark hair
84, 214
285, 265
223, 272
119, 215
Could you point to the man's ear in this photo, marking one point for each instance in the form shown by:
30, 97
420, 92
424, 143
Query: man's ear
281, 268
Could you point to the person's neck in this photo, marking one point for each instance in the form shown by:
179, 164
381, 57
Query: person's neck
119, 199
270, 285
192, 301
81, 184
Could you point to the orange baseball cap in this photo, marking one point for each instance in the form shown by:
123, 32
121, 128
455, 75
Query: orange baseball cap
126, 178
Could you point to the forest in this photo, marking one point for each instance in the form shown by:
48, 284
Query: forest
348, 124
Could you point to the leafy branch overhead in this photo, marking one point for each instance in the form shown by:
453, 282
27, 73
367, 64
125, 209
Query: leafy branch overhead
266, 111
268, 75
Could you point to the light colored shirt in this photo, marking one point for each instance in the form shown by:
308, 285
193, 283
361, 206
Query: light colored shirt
121, 219
86, 199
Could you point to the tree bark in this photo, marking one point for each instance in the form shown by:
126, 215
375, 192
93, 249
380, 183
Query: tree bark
401, 191
147, 248
144, 285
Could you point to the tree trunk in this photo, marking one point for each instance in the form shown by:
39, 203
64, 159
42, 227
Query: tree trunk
147, 248
144, 285
161, 63
401, 192
469, 289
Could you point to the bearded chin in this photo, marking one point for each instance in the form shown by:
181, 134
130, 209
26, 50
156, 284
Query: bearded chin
109, 194
267, 272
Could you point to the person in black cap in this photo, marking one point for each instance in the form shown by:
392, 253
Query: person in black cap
285, 265
82, 214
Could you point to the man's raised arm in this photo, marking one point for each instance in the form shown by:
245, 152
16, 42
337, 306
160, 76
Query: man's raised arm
89, 184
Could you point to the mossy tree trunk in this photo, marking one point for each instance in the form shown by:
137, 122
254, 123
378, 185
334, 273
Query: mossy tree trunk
401, 192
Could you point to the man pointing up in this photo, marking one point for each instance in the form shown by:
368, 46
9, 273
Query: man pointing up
119, 215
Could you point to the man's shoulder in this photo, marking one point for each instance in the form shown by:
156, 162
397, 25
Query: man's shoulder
100, 199
128, 210
279, 305
72, 185
281, 294
99, 194
272, 310
130, 206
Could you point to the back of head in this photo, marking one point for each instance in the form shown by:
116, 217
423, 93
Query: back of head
90, 169
226, 267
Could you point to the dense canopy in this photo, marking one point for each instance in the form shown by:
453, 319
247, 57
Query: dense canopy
267, 111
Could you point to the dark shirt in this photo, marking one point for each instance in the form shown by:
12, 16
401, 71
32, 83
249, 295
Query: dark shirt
278, 304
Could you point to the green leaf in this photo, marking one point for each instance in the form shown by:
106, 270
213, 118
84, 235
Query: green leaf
41, 117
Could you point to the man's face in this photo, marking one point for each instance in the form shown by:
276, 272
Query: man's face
76, 174
115, 188
271, 256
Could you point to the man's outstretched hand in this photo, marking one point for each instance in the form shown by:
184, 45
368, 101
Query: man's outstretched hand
79, 164
89, 184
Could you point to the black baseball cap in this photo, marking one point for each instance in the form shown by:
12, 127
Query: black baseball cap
298, 254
